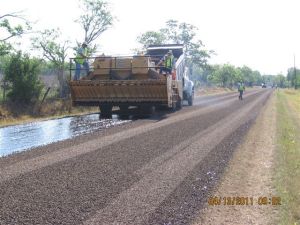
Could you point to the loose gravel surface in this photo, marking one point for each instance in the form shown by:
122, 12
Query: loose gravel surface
151, 171
249, 174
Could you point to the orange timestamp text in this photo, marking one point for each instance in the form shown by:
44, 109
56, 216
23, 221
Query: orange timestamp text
237, 200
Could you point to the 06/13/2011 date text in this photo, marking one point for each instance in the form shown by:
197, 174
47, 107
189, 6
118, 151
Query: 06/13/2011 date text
263, 200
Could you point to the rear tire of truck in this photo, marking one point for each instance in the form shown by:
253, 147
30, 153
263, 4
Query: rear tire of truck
124, 112
123, 109
191, 100
105, 110
174, 106
179, 104
147, 110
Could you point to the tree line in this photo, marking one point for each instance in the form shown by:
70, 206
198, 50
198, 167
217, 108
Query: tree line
225, 75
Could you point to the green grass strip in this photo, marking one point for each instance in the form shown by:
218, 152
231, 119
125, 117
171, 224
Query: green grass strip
288, 158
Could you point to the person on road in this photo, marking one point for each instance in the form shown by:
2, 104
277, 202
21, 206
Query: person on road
81, 60
167, 63
241, 89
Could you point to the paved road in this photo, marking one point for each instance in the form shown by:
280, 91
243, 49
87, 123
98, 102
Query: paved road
153, 171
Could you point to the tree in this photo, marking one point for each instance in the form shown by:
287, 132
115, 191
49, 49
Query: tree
225, 75
293, 76
96, 19
257, 77
179, 33
54, 51
151, 38
22, 72
247, 75
280, 80
8, 31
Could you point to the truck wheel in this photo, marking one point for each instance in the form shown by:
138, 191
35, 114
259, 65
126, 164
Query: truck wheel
174, 106
191, 100
123, 109
147, 110
179, 104
124, 112
105, 110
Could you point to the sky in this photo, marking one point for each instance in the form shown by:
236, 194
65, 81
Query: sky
262, 34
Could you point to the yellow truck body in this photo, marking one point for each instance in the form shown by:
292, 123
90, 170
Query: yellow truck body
125, 82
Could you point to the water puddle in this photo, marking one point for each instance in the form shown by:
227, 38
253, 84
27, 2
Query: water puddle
22, 137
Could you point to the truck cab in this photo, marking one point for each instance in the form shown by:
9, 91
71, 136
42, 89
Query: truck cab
180, 71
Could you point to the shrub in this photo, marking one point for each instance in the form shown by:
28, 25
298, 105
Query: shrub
22, 73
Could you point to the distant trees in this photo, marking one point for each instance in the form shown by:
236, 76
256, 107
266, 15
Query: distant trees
280, 81
224, 75
293, 76
228, 75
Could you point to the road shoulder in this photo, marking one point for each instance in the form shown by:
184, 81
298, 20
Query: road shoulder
250, 175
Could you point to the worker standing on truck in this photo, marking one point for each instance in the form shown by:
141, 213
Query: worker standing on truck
81, 60
167, 62
241, 89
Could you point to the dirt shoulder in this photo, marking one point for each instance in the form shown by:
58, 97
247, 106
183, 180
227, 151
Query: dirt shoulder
250, 175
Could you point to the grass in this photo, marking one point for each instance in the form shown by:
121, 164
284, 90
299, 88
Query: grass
288, 155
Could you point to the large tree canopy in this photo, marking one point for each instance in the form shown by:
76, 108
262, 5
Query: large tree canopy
178, 33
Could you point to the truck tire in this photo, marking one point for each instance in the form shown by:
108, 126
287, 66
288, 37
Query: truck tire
124, 112
105, 110
179, 104
147, 110
123, 109
174, 106
191, 99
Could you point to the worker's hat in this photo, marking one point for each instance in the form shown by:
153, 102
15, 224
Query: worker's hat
170, 52
84, 43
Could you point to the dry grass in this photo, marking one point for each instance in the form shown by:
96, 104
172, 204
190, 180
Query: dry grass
49, 110
212, 90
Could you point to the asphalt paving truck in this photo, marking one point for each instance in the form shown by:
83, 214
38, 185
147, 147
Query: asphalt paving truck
134, 82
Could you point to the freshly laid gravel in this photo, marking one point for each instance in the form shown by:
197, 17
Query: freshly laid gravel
151, 172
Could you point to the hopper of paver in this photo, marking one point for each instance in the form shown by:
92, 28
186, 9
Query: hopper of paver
125, 82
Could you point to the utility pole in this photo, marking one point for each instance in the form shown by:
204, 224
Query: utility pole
295, 73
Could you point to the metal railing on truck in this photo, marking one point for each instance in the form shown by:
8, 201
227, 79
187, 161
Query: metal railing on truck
115, 60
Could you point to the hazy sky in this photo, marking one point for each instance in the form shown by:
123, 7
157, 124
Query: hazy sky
262, 34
